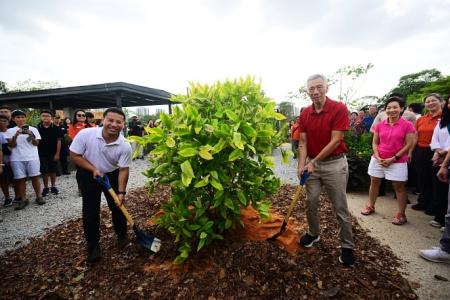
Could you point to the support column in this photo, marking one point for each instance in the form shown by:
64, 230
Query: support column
170, 108
119, 100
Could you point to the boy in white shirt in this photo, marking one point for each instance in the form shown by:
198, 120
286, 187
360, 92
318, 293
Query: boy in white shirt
23, 141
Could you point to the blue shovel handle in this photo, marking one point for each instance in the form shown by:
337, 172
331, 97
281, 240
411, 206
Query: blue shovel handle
304, 177
104, 181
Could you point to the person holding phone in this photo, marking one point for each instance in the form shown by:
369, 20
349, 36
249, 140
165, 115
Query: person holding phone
23, 141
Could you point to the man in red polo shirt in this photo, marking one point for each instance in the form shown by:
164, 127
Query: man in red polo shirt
322, 152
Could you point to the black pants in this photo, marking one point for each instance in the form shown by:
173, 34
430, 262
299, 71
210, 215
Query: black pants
424, 171
440, 198
91, 192
64, 152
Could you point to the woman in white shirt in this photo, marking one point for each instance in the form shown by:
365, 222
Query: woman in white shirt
440, 144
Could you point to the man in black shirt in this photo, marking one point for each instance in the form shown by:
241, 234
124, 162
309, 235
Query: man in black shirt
64, 153
49, 150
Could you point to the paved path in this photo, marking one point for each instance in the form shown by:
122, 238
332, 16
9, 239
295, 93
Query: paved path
403, 240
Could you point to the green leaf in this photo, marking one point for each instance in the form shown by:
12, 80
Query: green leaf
187, 232
193, 227
216, 184
278, 116
202, 182
228, 223
201, 243
165, 119
229, 203
248, 130
237, 153
214, 174
208, 128
187, 152
205, 154
231, 115
236, 138
185, 179
170, 142
242, 198
203, 235
251, 148
219, 146
186, 168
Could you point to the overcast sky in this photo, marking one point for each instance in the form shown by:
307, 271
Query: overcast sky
166, 44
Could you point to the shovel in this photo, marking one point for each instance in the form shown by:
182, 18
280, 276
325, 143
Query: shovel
294, 201
147, 241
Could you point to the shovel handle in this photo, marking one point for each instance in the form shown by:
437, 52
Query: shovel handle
104, 181
296, 197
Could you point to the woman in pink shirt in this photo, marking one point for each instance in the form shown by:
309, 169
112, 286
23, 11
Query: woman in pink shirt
392, 139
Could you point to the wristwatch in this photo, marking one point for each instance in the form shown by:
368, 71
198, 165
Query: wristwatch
313, 162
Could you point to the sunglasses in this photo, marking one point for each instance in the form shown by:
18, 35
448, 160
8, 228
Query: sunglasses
81, 115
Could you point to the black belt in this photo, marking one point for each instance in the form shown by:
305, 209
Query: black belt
330, 158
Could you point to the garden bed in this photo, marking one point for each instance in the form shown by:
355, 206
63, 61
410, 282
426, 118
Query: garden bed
54, 267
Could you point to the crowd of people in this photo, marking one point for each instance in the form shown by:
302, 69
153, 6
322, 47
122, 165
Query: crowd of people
41, 152
409, 147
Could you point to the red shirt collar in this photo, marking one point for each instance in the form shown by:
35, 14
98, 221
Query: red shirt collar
326, 106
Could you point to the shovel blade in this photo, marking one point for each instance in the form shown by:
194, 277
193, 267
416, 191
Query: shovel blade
282, 230
147, 241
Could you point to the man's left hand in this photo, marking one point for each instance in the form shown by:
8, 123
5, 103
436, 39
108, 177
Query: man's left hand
121, 199
56, 157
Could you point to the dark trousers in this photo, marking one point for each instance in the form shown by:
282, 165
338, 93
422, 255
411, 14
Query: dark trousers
63, 158
91, 193
424, 171
440, 198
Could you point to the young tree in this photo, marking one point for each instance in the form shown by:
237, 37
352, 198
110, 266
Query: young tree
215, 153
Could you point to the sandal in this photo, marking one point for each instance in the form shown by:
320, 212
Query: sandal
368, 210
399, 219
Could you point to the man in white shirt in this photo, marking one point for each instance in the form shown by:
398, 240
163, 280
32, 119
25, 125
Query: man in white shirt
102, 151
23, 141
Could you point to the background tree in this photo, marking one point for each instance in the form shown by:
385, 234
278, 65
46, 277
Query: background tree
287, 109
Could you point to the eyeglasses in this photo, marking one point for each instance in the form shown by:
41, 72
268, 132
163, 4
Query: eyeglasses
81, 115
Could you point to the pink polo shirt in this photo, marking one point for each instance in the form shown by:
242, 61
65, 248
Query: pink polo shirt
393, 138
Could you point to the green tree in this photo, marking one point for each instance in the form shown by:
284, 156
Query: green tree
414, 82
3, 88
30, 85
215, 152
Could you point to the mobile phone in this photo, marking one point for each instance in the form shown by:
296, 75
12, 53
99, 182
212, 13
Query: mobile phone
25, 129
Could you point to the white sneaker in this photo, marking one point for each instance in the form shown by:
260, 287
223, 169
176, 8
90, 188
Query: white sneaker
436, 254
435, 224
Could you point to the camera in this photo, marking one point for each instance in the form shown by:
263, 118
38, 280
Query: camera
25, 129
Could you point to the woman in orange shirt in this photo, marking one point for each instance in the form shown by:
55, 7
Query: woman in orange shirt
79, 123
422, 153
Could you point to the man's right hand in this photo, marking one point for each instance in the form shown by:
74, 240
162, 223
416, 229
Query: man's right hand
442, 174
97, 173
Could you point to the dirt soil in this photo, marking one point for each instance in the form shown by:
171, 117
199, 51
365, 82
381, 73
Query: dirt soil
243, 266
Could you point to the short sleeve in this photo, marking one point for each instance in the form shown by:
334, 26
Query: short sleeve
375, 122
376, 128
341, 121
11, 132
302, 121
125, 156
36, 133
78, 145
410, 128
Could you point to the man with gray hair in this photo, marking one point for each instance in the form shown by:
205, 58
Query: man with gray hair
322, 153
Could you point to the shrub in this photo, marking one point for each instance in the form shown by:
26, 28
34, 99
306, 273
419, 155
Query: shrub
358, 156
215, 152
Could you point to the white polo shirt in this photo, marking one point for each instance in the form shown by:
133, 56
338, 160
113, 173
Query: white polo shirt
24, 149
105, 157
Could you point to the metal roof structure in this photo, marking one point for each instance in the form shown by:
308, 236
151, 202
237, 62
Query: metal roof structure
118, 94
